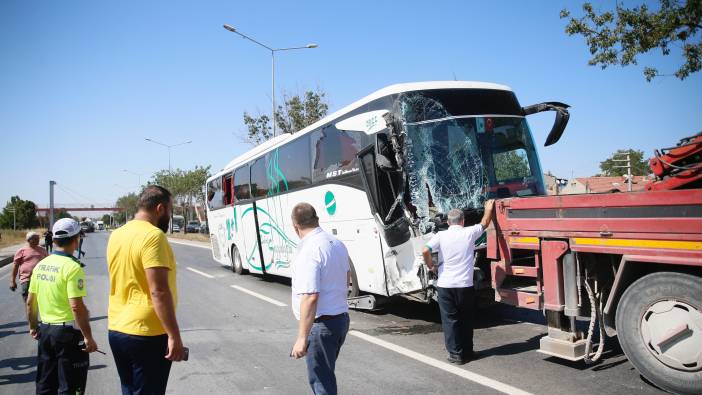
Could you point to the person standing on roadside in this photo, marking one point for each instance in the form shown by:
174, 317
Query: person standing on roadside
48, 240
25, 259
56, 293
81, 253
456, 295
143, 330
320, 275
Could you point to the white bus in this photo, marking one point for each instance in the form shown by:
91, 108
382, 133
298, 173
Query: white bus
381, 173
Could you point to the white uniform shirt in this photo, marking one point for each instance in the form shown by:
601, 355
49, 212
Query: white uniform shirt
320, 266
455, 247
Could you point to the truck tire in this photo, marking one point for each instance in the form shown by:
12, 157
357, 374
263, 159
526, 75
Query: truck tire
353, 286
237, 265
659, 325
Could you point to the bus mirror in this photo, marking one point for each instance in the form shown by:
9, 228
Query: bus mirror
559, 125
369, 122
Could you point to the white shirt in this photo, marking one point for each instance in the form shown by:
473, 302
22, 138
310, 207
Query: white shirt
320, 266
455, 247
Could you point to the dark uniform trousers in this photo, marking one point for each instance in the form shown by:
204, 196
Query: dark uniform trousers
62, 366
456, 306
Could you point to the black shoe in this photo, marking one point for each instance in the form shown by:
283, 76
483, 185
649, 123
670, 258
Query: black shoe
455, 359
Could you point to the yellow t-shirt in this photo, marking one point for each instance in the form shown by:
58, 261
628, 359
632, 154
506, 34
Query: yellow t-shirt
54, 280
134, 247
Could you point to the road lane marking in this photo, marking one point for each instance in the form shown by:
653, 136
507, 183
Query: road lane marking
258, 295
445, 366
207, 247
199, 272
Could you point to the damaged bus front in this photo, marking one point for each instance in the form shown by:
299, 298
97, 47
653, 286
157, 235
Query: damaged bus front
439, 149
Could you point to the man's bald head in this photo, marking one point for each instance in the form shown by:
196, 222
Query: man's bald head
304, 216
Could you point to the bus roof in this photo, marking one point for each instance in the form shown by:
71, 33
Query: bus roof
387, 91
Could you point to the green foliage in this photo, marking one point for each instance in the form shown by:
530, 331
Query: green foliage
106, 219
25, 215
297, 113
639, 164
259, 128
61, 213
510, 165
617, 38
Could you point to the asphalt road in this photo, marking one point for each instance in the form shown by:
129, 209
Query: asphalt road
239, 343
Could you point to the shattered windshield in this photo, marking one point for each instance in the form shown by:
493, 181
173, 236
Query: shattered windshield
460, 161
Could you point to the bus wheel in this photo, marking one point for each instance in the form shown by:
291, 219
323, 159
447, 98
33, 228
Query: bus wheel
659, 325
237, 265
353, 285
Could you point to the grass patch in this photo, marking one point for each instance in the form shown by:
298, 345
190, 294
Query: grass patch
191, 236
9, 237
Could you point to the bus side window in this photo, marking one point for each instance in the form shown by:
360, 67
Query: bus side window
227, 189
290, 166
335, 152
259, 179
214, 194
241, 183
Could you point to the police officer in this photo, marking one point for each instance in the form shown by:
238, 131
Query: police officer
56, 293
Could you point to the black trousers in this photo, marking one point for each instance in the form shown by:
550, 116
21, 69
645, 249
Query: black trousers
457, 306
62, 365
140, 361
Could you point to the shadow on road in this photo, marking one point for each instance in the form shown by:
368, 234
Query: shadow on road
20, 363
100, 318
13, 324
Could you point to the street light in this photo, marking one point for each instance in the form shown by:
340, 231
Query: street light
134, 173
169, 146
273, 51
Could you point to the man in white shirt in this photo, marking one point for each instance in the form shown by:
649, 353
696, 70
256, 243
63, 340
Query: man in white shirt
456, 294
320, 273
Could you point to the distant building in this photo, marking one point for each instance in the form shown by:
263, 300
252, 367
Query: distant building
583, 185
553, 184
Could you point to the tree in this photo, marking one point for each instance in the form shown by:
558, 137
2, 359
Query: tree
106, 219
297, 113
639, 165
128, 203
617, 38
510, 165
187, 186
24, 216
61, 213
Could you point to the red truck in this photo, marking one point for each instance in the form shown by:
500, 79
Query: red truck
631, 263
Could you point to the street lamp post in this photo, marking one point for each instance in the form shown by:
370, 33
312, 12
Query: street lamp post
134, 173
273, 51
169, 146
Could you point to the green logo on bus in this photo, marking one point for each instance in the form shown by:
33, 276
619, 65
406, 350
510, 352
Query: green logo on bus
330, 203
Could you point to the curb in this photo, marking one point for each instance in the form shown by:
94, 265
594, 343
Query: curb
5, 261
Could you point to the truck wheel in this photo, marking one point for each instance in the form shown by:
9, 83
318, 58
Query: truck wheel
353, 285
659, 325
237, 265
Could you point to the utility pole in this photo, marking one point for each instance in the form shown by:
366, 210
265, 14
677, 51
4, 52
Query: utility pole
51, 204
627, 160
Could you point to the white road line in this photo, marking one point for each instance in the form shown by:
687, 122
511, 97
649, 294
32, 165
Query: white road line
445, 366
200, 273
183, 243
258, 295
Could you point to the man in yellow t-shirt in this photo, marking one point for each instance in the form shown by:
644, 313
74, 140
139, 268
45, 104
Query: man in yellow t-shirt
56, 293
143, 330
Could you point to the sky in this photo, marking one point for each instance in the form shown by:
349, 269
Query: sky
83, 83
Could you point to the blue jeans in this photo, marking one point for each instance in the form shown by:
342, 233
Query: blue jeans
325, 341
140, 361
